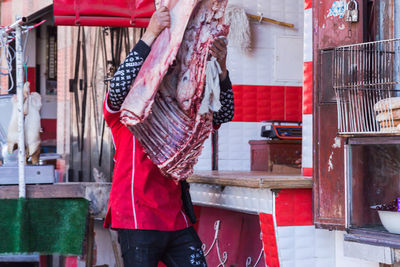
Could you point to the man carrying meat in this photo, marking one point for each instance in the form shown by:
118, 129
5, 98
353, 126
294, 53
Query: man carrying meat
145, 207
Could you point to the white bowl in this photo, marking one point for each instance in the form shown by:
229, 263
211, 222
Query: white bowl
390, 220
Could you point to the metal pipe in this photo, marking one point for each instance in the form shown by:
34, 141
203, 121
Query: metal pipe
19, 22
20, 97
367, 43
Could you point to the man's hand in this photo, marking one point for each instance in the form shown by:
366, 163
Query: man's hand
158, 22
218, 50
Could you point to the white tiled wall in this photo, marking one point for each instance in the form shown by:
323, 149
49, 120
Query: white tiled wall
248, 68
307, 143
308, 35
343, 261
305, 246
289, 59
242, 199
234, 148
257, 66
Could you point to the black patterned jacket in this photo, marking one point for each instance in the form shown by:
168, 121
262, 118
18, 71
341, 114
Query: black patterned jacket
126, 74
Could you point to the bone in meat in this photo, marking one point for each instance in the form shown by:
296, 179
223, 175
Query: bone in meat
173, 132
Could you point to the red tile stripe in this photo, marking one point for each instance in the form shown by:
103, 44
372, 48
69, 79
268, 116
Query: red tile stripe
255, 103
307, 4
308, 172
308, 88
294, 207
269, 240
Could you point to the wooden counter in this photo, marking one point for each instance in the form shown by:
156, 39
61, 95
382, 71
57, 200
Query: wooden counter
251, 179
98, 193
59, 190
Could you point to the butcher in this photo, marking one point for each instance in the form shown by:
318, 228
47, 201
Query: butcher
153, 214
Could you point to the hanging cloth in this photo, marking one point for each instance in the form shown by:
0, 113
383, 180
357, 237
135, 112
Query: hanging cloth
212, 89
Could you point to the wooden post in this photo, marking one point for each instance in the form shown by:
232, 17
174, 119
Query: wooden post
90, 243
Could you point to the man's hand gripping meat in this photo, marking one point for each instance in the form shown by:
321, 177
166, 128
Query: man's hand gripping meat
158, 22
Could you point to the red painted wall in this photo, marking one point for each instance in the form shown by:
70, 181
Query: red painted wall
239, 236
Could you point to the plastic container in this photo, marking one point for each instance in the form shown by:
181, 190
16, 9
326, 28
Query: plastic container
390, 220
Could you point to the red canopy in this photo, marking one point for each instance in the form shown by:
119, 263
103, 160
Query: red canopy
114, 13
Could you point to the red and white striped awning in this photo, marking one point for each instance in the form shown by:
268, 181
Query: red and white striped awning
113, 13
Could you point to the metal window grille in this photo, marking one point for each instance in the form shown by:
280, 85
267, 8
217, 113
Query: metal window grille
366, 80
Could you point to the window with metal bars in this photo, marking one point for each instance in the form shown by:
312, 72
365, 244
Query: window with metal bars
366, 80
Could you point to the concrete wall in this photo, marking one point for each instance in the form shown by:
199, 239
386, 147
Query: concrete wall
343, 261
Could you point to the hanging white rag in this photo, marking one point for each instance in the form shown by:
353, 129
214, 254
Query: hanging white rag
212, 90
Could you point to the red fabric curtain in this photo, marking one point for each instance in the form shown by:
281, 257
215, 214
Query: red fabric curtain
114, 13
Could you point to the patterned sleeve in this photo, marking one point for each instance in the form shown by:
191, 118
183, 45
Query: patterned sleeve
225, 114
126, 74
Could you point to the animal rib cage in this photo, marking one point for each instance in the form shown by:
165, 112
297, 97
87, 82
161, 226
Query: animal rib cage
366, 80
161, 109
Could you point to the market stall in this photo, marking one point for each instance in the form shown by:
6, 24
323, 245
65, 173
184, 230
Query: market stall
356, 82
252, 185
240, 208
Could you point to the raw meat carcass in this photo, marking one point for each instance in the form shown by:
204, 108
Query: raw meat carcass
32, 127
138, 103
162, 107
12, 135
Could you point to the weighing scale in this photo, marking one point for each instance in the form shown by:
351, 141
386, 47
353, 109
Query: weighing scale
282, 130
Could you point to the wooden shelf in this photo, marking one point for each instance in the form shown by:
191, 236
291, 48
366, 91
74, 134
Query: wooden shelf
373, 236
374, 140
96, 193
59, 190
251, 179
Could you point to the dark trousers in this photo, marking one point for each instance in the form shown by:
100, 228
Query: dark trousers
145, 248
